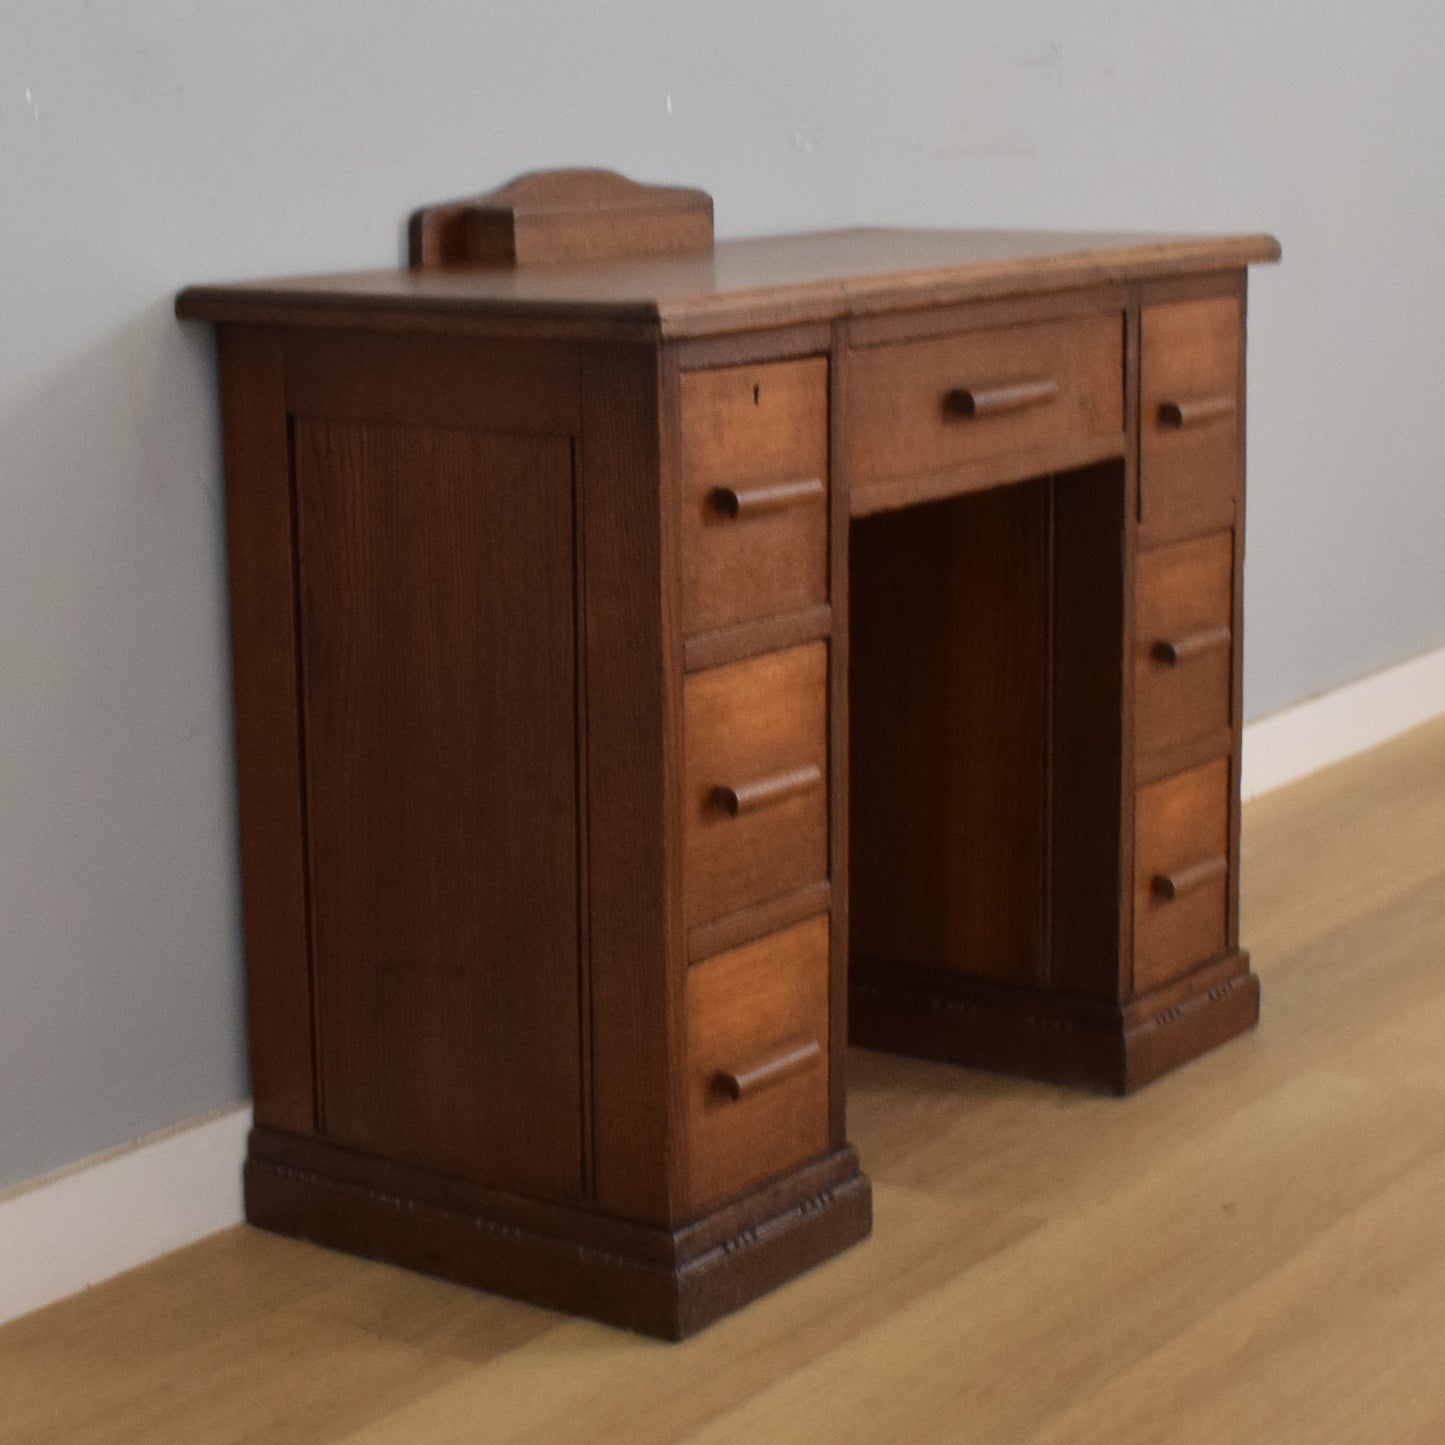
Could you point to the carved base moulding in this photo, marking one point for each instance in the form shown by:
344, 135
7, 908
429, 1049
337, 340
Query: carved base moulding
1040, 1034
661, 1282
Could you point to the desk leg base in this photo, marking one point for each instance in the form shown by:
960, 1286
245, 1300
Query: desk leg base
1039, 1034
669, 1283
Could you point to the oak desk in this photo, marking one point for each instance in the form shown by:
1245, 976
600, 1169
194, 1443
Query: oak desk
620, 643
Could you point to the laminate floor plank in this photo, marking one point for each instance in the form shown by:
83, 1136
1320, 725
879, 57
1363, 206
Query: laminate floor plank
583, 1383
1341, 844
998, 1353
1274, 1365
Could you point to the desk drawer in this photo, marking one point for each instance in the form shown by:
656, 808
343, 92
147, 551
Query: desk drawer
1181, 852
754, 460
928, 406
757, 1061
1184, 642
1190, 457
756, 780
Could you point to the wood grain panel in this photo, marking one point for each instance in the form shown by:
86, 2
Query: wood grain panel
748, 435
739, 285
1181, 833
950, 639
444, 381
755, 724
438, 614
757, 1070
927, 406
634, 724
557, 217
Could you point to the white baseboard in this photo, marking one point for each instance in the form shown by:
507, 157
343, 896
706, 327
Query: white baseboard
103, 1216
1285, 746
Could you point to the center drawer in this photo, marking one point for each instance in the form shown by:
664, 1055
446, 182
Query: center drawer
755, 774
928, 406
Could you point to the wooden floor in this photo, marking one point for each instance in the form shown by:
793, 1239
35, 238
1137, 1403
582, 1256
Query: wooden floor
1252, 1250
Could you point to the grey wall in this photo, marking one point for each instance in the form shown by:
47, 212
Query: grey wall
145, 144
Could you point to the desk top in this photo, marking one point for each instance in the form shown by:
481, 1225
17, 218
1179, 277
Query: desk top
732, 286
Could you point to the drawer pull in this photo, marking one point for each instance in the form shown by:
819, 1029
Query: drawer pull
767, 791
1173, 650
980, 401
744, 502
1190, 877
1182, 414
791, 1059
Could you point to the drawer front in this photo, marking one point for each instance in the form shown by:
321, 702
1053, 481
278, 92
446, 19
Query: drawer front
757, 1069
1190, 454
1184, 643
928, 406
755, 774
754, 462
1181, 844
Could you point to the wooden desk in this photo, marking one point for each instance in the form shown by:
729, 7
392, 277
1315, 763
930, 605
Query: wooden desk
619, 642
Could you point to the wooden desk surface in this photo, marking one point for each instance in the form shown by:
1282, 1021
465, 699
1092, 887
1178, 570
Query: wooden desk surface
767, 281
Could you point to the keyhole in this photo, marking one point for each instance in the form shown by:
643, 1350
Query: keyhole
757, 396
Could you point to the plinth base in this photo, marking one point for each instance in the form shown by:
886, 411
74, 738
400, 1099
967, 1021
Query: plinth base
662, 1282
1059, 1038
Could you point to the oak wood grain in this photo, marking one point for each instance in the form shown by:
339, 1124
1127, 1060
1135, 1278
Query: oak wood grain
453, 381
737, 285
440, 703
546, 218
633, 713
749, 639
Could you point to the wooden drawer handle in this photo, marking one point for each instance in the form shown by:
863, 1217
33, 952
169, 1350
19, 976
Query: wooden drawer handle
767, 791
752, 1078
1202, 409
996, 400
744, 502
1174, 650
1190, 877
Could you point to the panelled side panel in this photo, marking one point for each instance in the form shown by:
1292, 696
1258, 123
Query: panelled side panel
268, 743
437, 587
